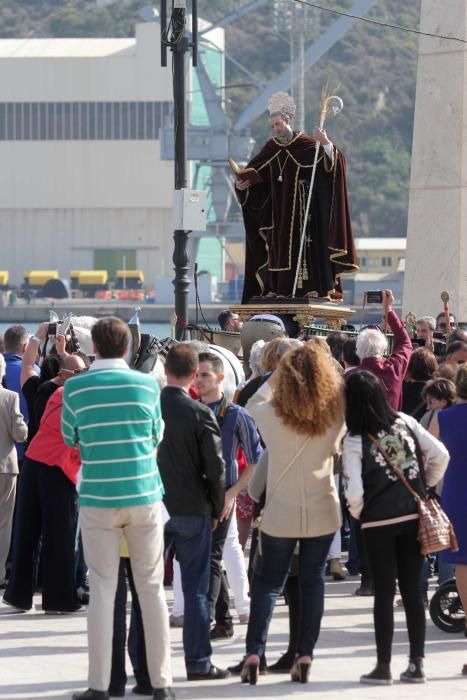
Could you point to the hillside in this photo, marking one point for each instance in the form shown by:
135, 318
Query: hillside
375, 68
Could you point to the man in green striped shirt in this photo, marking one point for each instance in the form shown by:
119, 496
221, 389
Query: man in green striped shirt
112, 414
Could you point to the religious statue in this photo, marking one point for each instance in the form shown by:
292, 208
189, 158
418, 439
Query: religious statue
296, 245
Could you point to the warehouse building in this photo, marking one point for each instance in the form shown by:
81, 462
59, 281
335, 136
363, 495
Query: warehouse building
82, 185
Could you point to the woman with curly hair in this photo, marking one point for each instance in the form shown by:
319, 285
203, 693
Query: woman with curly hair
299, 413
377, 437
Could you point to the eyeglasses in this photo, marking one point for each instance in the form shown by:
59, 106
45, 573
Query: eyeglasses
74, 371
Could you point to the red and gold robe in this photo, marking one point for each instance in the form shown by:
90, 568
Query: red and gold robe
274, 212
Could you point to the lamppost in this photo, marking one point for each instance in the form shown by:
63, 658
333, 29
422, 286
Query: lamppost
179, 44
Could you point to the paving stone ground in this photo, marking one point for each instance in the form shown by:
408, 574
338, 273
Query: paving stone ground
46, 657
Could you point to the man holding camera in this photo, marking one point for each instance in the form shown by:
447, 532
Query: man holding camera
372, 346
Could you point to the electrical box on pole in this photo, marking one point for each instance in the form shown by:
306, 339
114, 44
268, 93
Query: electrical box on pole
189, 210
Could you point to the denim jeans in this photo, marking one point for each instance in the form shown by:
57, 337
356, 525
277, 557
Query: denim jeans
218, 584
271, 570
191, 538
445, 572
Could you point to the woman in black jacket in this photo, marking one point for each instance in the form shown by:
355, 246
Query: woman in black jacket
388, 513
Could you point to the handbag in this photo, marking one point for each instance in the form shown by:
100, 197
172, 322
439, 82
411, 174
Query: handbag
435, 530
259, 519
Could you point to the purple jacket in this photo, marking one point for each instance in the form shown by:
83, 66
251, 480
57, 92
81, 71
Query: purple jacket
391, 370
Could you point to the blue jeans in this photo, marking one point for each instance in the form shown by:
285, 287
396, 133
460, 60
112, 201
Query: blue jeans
191, 538
271, 570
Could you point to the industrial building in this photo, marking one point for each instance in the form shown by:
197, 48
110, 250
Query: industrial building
82, 183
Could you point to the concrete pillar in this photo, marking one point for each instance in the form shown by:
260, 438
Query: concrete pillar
437, 225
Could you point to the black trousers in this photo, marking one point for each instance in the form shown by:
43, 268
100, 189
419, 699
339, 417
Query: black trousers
218, 595
394, 553
292, 598
46, 503
136, 646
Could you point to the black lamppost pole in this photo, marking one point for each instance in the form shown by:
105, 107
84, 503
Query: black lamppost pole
179, 44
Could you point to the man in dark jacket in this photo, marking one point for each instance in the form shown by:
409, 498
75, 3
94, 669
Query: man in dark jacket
193, 472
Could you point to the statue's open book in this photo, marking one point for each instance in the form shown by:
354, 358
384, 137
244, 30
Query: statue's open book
249, 174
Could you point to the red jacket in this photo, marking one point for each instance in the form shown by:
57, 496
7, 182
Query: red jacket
47, 445
391, 370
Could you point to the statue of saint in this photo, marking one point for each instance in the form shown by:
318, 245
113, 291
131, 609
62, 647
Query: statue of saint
273, 191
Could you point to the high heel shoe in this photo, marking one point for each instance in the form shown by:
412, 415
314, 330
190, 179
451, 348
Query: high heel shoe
300, 671
249, 673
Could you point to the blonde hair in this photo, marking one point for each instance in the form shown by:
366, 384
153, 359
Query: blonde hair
308, 394
269, 358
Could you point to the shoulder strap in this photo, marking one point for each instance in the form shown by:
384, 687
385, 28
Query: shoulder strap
223, 408
418, 408
395, 469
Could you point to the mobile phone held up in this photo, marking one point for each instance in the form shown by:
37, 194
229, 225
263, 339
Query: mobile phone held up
374, 297
52, 329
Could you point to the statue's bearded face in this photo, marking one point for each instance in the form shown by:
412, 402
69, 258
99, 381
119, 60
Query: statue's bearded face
280, 127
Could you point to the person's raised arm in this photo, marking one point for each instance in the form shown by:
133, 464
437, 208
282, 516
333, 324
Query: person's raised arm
30, 354
402, 348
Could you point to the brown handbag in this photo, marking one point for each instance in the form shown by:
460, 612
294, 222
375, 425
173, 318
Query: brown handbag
435, 530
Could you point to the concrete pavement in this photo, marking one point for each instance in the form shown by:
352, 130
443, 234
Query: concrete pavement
46, 657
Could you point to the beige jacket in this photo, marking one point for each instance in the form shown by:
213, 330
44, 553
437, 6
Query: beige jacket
305, 503
12, 429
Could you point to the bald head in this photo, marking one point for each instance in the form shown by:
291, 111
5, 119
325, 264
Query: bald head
69, 366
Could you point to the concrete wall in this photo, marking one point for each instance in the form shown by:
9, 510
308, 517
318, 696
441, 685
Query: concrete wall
65, 239
437, 225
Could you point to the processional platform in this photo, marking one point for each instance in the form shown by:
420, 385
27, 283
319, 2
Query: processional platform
304, 311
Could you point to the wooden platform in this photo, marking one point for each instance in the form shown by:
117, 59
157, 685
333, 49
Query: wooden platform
332, 314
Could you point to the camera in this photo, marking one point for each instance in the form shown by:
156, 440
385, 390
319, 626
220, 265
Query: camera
52, 329
374, 297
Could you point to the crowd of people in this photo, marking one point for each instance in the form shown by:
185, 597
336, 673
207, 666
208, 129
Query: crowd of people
118, 475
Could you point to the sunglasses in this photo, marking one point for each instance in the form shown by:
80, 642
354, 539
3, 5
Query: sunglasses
75, 371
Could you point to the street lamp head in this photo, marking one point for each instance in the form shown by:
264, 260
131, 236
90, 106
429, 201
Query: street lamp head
148, 13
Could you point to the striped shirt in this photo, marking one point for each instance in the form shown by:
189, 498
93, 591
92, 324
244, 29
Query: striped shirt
112, 413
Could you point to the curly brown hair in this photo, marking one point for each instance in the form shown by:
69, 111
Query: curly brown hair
308, 393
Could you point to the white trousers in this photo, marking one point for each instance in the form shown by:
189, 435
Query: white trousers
336, 544
234, 562
102, 530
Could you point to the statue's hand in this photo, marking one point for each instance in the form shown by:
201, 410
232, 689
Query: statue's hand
321, 136
242, 184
